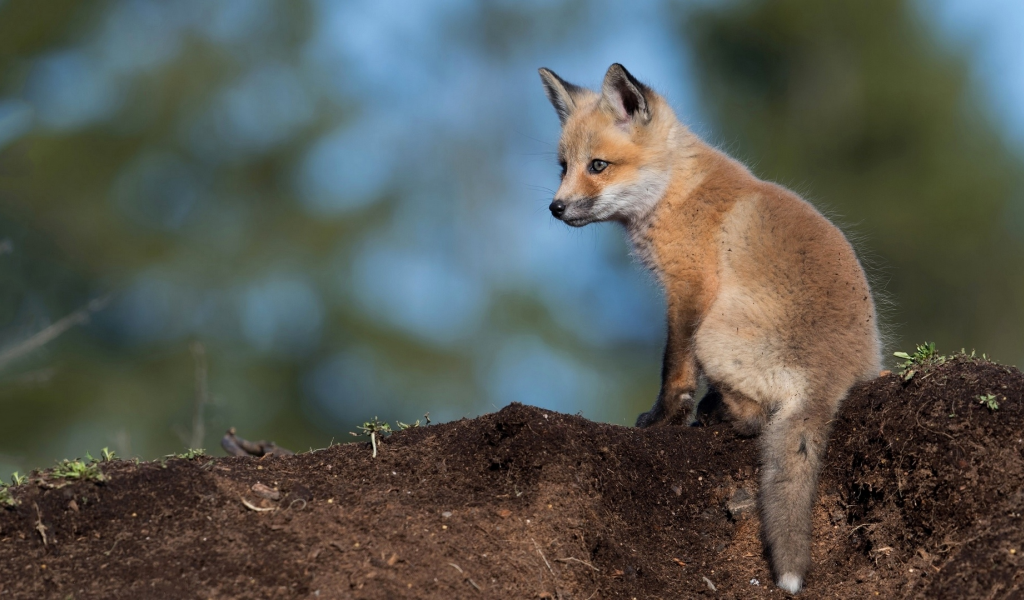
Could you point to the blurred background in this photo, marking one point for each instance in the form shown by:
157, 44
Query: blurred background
292, 217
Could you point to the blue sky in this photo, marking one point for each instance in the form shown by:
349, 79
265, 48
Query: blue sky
992, 32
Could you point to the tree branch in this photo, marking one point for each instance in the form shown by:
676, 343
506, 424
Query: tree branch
52, 332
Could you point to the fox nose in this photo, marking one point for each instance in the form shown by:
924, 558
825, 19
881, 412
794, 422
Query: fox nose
557, 208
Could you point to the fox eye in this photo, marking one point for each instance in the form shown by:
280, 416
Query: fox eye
597, 165
562, 164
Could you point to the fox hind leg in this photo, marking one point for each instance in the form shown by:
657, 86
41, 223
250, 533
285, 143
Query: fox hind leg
746, 414
710, 410
792, 449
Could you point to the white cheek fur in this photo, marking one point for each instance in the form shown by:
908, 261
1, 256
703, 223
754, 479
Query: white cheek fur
632, 204
634, 200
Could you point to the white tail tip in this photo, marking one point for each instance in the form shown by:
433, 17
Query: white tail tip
791, 582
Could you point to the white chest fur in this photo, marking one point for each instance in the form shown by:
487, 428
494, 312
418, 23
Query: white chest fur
636, 203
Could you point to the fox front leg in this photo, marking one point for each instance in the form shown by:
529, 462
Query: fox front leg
678, 381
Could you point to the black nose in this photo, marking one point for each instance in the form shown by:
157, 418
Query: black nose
557, 208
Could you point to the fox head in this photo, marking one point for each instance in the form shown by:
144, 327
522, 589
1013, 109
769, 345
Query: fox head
615, 149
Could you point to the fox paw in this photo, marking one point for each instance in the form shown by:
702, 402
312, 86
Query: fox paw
649, 418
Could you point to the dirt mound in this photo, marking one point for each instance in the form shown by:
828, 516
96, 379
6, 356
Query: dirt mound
921, 497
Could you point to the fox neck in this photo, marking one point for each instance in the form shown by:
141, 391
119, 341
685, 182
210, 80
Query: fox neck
678, 175
638, 226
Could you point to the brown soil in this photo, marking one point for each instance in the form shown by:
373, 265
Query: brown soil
921, 497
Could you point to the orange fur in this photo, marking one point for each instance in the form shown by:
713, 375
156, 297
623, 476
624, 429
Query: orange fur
765, 297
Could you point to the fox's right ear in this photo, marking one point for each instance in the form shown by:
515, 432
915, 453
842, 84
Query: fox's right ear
627, 97
561, 93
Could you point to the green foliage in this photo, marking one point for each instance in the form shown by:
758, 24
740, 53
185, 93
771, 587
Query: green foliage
6, 499
78, 470
108, 455
924, 355
373, 428
403, 426
989, 401
190, 454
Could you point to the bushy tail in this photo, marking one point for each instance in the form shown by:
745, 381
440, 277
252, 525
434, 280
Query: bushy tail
793, 446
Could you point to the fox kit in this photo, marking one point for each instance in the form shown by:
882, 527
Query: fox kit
765, 297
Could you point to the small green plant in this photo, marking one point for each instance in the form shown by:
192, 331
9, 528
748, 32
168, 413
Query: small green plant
77, 469
376, 428
373, 429
108, 455
403, 426
5, 497
17, 478
989, 401
924, 354
190, 454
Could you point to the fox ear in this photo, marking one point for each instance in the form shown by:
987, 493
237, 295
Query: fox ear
561, 93
626, 96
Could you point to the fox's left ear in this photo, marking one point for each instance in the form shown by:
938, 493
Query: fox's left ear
560, 92
625, 96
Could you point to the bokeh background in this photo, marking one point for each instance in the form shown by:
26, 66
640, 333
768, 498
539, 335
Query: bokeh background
292, 217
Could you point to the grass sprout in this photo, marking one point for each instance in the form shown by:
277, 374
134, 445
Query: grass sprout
989, 401
78, 470
925, 354
190, 454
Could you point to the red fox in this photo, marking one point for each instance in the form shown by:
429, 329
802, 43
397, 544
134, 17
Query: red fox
766, 298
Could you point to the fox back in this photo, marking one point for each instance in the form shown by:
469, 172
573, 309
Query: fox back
766, 298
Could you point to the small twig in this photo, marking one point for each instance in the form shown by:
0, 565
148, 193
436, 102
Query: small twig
252, 506
461, 572
48, 334
541, 552
39, 523
859, 526
107, 553
582, 562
